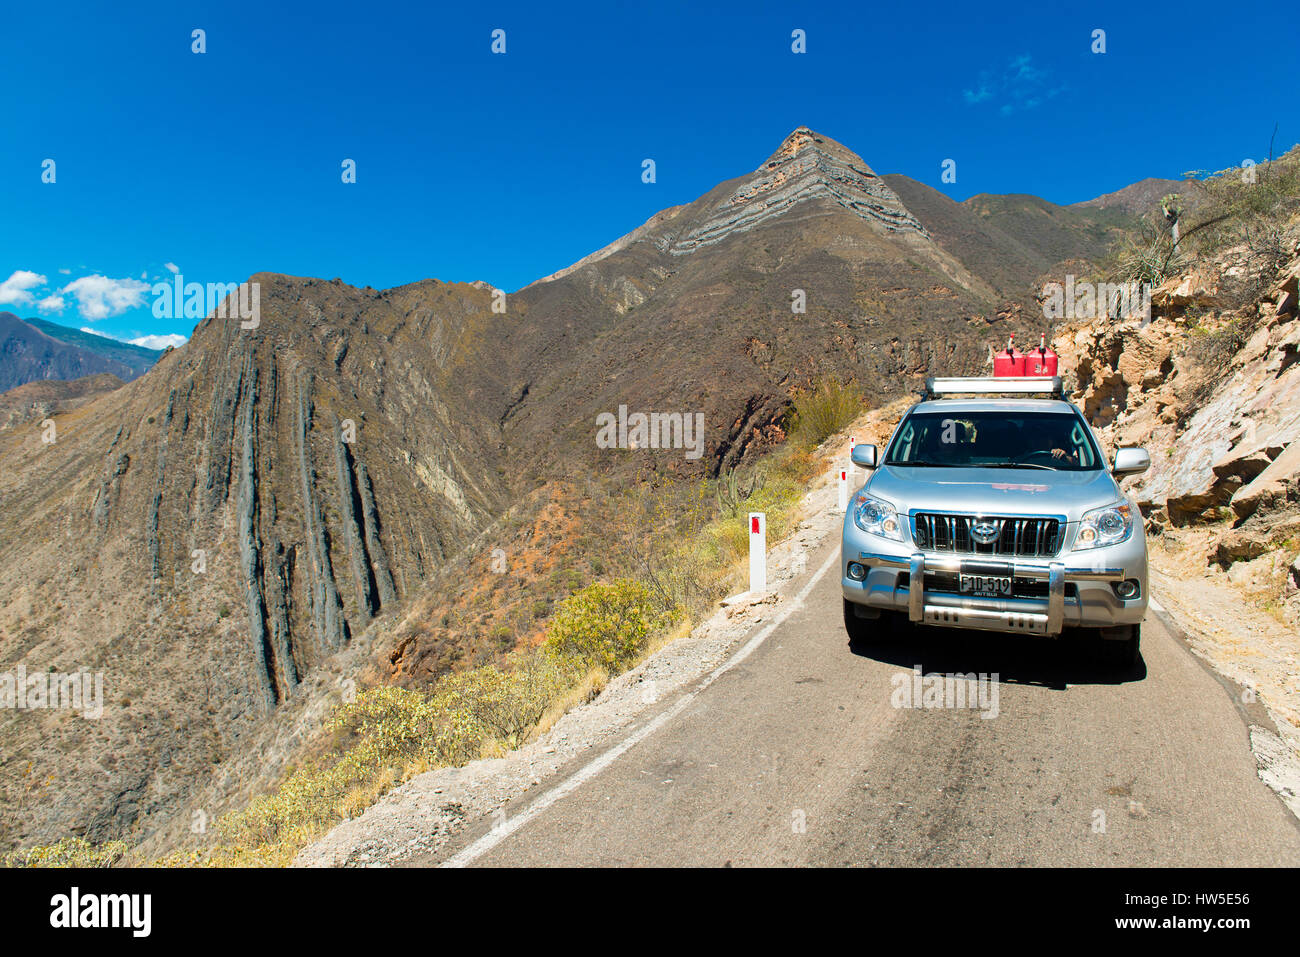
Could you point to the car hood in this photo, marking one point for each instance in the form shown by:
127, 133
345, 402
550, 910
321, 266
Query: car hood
992, 491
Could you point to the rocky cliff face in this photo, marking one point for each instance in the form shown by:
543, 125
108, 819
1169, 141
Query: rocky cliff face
1214, 396
208, 535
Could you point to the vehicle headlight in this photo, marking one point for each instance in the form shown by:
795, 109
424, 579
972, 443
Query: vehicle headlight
876, 517
1108, 525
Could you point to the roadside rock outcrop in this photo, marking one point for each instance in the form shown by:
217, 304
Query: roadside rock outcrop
1214, 396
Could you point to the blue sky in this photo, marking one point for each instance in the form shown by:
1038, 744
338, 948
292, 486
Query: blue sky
507, 167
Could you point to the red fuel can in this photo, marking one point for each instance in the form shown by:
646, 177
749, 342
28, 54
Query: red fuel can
1041, 361
1009, 362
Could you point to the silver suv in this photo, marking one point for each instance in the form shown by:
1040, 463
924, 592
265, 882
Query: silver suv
993, 508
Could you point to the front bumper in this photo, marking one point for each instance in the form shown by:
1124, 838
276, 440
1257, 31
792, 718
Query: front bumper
1075, 594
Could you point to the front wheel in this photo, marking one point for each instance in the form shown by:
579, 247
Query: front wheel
866, 631
1121, 652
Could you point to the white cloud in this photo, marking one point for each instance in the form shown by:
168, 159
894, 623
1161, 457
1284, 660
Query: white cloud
159, 342
65, 272
149, 342
172, 268
99, 297
54, 303
16, 290
1019, 86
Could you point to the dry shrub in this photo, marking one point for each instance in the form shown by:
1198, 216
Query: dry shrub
823, 410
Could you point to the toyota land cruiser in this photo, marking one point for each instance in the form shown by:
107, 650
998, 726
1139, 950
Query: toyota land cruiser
992, 508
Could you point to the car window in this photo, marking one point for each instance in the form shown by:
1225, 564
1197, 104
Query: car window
1085, 453
995, 439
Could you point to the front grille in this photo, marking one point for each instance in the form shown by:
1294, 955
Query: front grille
1016, 537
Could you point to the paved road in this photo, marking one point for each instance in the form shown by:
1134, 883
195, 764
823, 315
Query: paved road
798, 755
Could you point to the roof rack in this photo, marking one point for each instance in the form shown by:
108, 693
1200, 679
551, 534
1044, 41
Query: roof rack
1045, 386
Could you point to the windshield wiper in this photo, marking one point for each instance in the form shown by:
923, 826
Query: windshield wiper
1019, 465
922, 463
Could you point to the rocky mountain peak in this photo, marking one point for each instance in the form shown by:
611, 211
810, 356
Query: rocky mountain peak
796, 141
801, 139
805, 169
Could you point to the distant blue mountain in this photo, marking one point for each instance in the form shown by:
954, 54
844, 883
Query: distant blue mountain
32, 350
133, 357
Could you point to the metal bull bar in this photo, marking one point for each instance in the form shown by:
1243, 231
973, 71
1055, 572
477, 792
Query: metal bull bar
968, 615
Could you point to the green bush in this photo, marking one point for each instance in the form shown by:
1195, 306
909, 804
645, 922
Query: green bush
823, 410
778, 499
604, 625
491, 704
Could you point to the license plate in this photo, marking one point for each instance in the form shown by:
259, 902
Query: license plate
986, 586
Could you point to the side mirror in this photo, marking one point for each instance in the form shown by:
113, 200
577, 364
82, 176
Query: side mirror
1131, 462
864, 455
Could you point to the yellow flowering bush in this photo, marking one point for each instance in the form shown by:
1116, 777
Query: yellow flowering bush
604, 626
69, 852
384, 731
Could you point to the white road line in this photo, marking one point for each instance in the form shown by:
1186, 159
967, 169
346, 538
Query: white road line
501, 832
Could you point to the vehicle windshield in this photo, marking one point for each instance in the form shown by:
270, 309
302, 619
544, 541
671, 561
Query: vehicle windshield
995, 439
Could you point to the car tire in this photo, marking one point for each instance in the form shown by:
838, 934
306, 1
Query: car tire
868, 631
1122, 652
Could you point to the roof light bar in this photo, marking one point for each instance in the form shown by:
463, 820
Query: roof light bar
1001, 385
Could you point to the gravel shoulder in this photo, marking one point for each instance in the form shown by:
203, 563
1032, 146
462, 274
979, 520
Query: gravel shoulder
1226, 623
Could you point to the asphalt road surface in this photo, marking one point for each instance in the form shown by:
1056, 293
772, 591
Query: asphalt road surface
803, 752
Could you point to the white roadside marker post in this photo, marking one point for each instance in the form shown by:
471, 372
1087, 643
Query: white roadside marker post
757, 553
852, 442
844, 489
